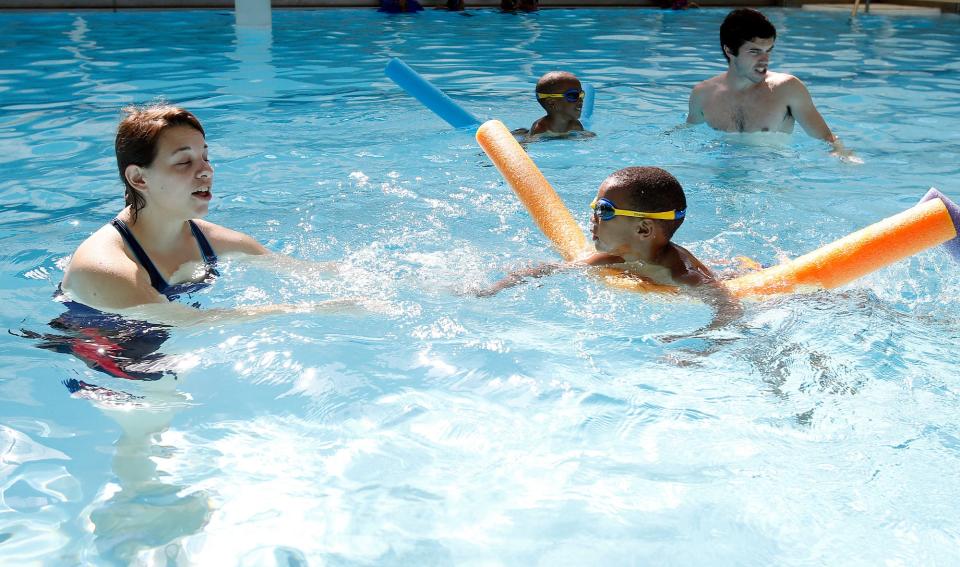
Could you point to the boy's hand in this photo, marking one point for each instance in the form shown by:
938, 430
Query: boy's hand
518, 277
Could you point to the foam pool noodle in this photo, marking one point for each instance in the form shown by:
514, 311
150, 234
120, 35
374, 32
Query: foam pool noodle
533, 189
586, 113
428, 95
897, 237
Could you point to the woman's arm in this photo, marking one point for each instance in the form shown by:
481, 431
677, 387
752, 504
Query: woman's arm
228, 242
113, 293
179, 315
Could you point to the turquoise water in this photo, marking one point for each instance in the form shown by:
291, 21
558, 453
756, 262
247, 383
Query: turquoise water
553, 424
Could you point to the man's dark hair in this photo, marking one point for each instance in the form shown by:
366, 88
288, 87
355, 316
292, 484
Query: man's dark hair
652, 190
742, 25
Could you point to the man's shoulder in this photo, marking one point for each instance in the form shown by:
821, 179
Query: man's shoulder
782, 80
788, 88
713, 83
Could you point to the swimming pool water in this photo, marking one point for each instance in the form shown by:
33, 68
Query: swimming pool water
558, 423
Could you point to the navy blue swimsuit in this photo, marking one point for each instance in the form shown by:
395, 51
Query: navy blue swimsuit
173, 292
110, 343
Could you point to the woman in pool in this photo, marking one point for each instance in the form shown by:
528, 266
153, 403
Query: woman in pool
158, 248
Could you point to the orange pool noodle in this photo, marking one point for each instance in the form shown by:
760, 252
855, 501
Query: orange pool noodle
533, 189
920, 227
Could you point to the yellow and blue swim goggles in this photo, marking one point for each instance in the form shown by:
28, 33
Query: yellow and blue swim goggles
570, 95
605, 210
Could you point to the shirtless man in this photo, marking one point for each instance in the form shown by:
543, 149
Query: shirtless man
749, 97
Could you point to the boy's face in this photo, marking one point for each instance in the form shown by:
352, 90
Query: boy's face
630, 238
562, 106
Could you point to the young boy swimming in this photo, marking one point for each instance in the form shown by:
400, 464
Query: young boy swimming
561, 95
636, 212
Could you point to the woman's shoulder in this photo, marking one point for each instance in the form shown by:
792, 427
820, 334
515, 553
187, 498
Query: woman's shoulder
102, 249
102, 274
228, 241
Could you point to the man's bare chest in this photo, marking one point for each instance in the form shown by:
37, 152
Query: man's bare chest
757, 112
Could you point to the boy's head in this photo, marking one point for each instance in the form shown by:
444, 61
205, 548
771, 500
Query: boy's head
637, 210
560, 92
743, 25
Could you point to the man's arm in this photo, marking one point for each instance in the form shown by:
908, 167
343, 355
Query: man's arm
806, 113
695, 106
803, 110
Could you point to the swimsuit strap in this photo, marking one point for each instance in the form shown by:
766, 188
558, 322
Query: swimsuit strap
209, 256
156, 280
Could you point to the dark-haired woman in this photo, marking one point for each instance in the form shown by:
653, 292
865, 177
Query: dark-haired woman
158, 248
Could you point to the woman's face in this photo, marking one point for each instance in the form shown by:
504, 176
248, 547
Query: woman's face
180, 180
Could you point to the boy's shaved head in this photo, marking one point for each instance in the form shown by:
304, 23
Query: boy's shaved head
651, 190
556, 82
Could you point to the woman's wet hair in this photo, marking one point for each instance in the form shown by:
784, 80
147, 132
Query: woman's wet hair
742, 25
138, 140
652, 190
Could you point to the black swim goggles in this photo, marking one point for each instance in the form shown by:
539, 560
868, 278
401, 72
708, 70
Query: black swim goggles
570, 95
605, 210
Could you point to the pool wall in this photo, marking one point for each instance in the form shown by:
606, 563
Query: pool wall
174, 4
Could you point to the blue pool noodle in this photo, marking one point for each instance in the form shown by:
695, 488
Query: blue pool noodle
952, 246
429, 95
586, 113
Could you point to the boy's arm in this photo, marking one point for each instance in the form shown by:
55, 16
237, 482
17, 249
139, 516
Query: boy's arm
582, 132
726, 307
693, 273
519, 276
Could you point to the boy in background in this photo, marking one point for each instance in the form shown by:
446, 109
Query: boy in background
561, 95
